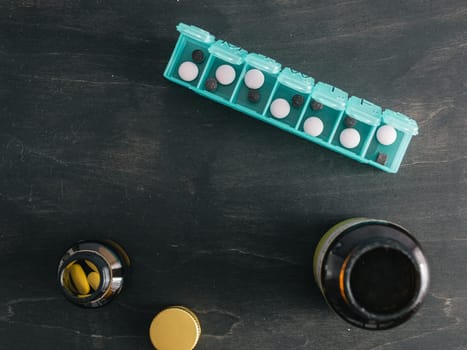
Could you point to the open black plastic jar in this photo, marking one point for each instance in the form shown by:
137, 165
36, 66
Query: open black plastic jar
373, 273
91, 273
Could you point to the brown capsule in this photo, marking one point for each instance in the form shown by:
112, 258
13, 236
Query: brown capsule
197, 56
382, 158
316, 106
254, 96
297, 101
211, 84
350, 122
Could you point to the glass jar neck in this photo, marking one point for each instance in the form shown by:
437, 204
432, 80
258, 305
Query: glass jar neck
91, 258
374, 275
381, 280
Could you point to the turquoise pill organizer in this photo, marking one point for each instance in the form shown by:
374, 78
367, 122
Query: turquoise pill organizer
259, 87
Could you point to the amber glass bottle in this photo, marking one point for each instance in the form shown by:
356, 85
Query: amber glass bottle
373, 273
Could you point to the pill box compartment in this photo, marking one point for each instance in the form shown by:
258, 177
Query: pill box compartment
365, 116
333, 102
405, 129
287, 94
191, 38
224, 53
270, 69
241, 96
292, 85
186, 55
363, 130
376, 148
327, 115
224, 91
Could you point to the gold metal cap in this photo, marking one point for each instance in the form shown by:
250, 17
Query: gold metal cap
175, 328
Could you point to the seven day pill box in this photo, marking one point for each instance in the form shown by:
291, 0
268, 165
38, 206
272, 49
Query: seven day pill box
260, 87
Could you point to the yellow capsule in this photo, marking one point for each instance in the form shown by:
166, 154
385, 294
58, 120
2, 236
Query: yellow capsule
67, 281
79, 279
91, 265
94, 280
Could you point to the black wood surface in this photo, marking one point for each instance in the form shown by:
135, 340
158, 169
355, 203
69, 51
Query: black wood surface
218, 211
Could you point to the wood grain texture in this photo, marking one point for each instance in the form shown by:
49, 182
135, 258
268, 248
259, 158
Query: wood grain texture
220, 212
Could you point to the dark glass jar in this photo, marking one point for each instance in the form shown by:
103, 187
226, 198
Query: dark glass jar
373, 273
91, 273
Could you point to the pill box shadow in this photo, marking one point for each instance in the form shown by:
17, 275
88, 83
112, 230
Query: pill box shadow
196, 110
183, 102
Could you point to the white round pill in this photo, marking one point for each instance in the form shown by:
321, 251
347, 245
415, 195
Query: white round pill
280, 108
349, 138
386, 135
188, 71
225, 74
254, 79
313, 126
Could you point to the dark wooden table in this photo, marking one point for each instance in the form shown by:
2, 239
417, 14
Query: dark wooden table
218, 211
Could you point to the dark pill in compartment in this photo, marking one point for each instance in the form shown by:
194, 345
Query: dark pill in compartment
254, 96
382, 158
316, 106
350, 122
297, 101
211, 84
197, 56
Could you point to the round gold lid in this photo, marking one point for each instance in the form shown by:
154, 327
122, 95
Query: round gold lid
175, 328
